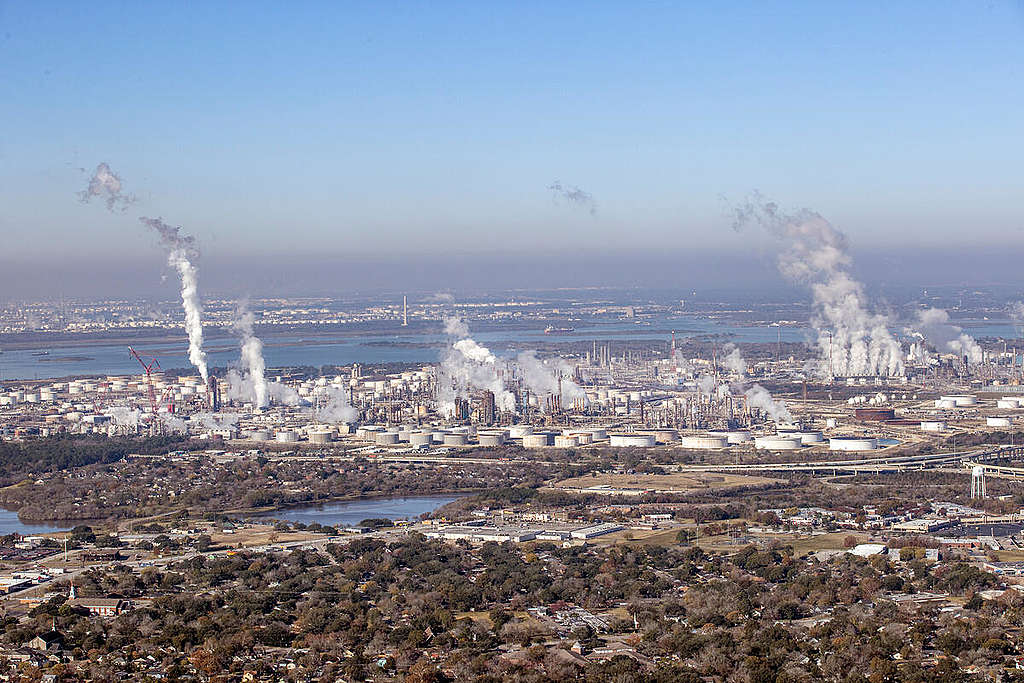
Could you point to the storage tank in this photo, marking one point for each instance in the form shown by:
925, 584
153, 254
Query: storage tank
538, 440
437, 436
808, 438
519, 431
933, 426
831, 423
961, 400
583, 438
563, 441
321, 436
599, 433
666, 435
709, 441
456, 439
386, 438
734, 437
287, 436
419, 438
945, 403
999, 421
632, 440
777, 443
852, 443
490, 439
260, 435
1008, 404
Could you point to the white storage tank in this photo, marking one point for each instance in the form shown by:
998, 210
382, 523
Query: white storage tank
490, 439
1008, 404
666, 435
831, 423
961, 400
562, 441
999, 421
933, 426
287, 436
709, 441
519, 431
632, 440
852, 443
945, 403
437, 436
583, 438
537, 440
321, 436
808, 438
598, 433
386, 438
260, 435
777, 443
419, 438
455, 439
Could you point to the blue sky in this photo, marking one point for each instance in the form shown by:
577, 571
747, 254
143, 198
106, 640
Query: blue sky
360, 128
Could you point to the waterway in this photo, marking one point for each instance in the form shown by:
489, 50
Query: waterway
10, 524
351, 512
44, 361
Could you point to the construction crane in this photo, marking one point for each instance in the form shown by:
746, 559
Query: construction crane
148, 367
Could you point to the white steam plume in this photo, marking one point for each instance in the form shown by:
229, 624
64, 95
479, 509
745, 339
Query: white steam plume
851, 340
466, 365
252, 354
106, 184
181, 252
733, 360
574, 195
1017, 316
934, 325
335, 406
759, 397
541, 377
124, 416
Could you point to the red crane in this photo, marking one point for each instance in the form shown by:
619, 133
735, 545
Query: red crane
148, 367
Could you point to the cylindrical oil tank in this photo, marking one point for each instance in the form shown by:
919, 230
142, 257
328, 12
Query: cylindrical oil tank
945, 403
999, 421
933, 426
562, 441
599, 433
386, 438
666, 435
808, 437
583, 438
852, 443
456, 439
736, 436
437, 436
961, 400
519, 431
632, 440
260, 435
487, 439
403, 435
709, 441
321, 436
777, 443
537, 440
1008, 404
419, 438
287, 436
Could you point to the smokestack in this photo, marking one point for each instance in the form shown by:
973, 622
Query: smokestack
405, 311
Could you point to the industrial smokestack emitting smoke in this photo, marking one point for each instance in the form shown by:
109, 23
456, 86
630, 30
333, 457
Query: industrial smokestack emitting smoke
542, 378
252, 354
574, 195
106, 184
934, 325
467, 365
852, 341
336, 408
733, 360
759, 397
181, 252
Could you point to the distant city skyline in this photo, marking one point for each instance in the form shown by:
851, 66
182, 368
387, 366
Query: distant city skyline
451, 134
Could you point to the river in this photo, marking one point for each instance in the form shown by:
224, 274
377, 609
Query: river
351, 512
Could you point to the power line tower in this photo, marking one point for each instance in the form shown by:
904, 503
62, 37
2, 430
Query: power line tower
978, 482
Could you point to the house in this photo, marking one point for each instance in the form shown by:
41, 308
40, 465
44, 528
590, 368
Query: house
51, 640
